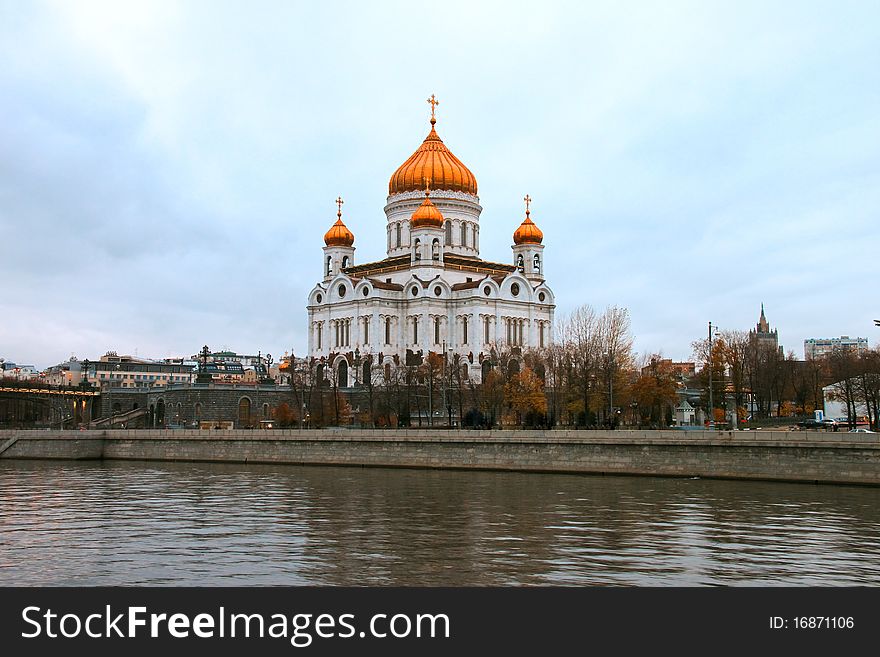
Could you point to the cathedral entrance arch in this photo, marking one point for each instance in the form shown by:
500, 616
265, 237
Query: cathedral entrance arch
342, 374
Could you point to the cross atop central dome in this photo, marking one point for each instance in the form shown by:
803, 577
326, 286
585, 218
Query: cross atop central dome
432, 160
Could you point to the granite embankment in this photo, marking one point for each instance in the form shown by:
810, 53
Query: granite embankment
783, 456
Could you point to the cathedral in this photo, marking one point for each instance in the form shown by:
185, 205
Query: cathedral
432, 293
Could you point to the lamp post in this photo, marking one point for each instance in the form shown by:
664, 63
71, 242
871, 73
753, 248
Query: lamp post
711, 400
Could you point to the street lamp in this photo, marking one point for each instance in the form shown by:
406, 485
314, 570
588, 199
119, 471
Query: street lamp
711, 400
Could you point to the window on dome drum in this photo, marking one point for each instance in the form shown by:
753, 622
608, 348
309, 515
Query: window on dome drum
448, 233
436, 330
520, 263
398, 235
387, 330
344, 262
463, 234
537, 264
416, 245
435, 250
329, 265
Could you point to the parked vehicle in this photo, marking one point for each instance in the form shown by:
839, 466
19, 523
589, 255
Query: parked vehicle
861, 431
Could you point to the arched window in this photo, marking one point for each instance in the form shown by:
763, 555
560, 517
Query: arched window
329, 265
520, 263
320, 334
435, 249
265, 411
344, 262
463, 234
537, 264
342, 374
366, 330
397, 227
415, 330
160, 413
387, 330
448, 233
486, 330
486, 368
464, 329
244, 411
541, 335
417, 246
436, 330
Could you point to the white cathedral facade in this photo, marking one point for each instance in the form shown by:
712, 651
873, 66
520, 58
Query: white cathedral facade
432, 292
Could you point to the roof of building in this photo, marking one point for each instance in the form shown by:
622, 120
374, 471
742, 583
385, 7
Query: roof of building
434, 162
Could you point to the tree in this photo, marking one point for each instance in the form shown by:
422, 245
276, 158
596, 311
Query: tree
524, 395
655, 392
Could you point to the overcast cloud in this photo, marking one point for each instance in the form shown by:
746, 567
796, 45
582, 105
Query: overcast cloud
167, 171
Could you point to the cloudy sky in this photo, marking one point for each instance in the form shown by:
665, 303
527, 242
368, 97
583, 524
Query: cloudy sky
167, 170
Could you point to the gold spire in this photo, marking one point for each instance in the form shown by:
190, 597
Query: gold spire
433, 103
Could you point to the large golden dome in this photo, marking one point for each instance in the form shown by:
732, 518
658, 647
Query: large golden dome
435, 162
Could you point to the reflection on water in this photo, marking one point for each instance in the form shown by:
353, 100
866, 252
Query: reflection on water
116, 523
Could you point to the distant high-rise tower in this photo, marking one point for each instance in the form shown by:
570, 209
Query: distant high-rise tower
764, 336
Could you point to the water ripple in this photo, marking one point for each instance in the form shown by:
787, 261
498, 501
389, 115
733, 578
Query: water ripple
222, 524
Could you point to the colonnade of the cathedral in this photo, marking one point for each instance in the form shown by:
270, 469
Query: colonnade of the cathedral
427, 331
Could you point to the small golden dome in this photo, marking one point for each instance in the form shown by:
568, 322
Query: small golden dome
339, 235
426, 214
434, 161
528, 232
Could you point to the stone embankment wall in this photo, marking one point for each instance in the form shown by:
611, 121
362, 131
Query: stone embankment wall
784, 456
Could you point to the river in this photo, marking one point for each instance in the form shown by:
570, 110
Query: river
127, 523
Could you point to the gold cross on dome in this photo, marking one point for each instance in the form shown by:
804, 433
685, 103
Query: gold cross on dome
433, 102
339, 203
528, 200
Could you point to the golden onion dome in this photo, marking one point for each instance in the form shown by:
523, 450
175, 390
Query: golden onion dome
434, 161
426, 214
528, 232
339, 234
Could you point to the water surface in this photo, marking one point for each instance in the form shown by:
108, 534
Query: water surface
118, 523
